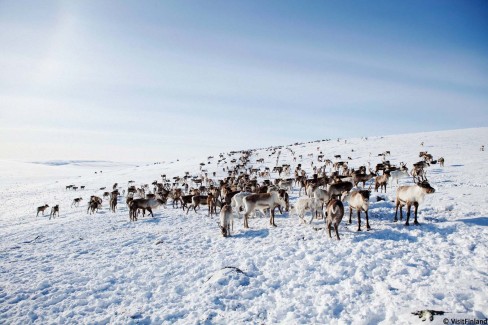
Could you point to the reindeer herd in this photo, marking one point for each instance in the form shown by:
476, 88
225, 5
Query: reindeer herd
249, 188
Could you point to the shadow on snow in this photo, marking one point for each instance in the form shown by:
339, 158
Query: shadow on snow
250, 233
480, 221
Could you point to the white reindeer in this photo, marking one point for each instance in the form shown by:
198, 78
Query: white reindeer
396, 175
262, 201
359, 201
305, 204
411, 195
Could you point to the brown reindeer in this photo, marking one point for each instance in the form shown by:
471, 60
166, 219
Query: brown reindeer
54, 210
335, 213
144, 204
94, 204
381, 182
441, 161
196, 201
185, 200
362, 178
41, 209
336, 190
113, 200
76, 202
212, 209
93, 207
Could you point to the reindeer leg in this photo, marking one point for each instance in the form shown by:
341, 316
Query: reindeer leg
350, 214
396, 211
416, 206
408, 214
359, 220
367, 221
150, 211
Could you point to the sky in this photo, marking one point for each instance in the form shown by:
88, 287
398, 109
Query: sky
160, 80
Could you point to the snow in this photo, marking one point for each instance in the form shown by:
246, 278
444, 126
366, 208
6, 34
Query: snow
177, 268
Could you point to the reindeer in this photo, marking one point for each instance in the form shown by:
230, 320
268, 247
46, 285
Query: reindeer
411, 195
287, 184
175, 194
144, 204
95, 203
226, 220
336, 190
441, 161
196, 201
211, 204
418, 171
93, 207
284, 195
113, 200
396, 175
262, 201
335, 212
359, 201
360, 177
185, 200
41, 209
305, 203
76, 202
238, 201
54, 210
381, 181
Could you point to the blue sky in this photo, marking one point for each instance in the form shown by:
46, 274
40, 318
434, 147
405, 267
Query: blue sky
156, 80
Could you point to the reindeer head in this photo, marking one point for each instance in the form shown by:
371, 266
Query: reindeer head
426, 186
365, 194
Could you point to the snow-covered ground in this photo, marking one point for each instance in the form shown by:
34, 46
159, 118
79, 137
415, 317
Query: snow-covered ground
177, 268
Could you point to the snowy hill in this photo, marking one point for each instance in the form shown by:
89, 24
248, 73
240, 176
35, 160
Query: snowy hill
177, 268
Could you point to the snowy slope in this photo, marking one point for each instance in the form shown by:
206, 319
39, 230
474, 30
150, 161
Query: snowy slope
175, 267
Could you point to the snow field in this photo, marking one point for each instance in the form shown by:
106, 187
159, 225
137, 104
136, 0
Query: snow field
177, 268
